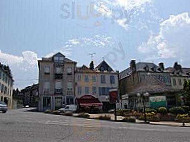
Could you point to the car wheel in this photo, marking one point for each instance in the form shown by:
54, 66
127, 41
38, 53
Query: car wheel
4, 111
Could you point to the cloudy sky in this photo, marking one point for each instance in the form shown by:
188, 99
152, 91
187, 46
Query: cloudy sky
116, 30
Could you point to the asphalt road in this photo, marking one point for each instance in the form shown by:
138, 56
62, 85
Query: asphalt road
24, 126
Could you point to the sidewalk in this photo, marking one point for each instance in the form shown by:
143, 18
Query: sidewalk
168, 123
164, 123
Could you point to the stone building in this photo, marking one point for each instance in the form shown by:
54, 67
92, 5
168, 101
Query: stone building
6, 85
178, 76
144, 77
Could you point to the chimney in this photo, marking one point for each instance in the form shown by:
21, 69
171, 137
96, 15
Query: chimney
133, 65
161, 66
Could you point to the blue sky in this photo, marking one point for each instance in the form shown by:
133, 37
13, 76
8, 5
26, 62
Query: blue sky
116, 30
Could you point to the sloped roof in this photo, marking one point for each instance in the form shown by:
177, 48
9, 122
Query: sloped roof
103, 66
140, 66
60, 55
84, 69
183, 72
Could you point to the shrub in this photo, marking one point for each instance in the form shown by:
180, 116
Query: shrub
150, 117
129, 119
184, 118
149, 110
167, 117
56, 112
123, 112
48, 111
177, 110
105, 117
162, 110
84, 115
68, 113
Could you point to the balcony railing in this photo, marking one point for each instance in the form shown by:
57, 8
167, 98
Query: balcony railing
58, 76
58, 91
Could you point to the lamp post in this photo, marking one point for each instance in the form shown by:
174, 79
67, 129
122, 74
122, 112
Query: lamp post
144, 95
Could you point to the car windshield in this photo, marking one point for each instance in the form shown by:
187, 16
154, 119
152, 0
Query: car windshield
2, 103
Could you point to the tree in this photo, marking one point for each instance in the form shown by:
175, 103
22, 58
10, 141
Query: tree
92, 65
187, 92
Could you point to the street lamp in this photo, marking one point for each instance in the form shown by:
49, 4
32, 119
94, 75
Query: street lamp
144, 95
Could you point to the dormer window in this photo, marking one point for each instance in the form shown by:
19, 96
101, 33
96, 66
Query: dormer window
58, 59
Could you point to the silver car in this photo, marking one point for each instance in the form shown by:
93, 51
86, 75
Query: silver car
3, 107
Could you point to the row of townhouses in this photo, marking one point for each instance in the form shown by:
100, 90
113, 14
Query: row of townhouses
6, 85
61, 82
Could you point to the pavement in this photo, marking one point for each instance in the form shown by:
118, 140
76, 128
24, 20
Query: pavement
166, 123
25, 126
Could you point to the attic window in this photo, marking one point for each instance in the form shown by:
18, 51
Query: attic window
58, 59
102, 68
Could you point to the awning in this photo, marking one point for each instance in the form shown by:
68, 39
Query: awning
88, 101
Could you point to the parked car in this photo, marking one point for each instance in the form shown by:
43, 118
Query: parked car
70, 108
3, 107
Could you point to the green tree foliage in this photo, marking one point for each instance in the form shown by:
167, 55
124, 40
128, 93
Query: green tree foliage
187, 92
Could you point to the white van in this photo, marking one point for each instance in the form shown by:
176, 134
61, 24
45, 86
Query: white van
70, 108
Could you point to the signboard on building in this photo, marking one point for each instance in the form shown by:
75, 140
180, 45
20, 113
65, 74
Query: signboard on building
158, 101
113, 95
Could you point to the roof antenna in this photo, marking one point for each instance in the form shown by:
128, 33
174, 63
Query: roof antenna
92, 55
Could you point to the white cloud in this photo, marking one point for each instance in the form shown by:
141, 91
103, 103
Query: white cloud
172, 41
74, 41
123, 23
24, 67
28, 58
132, 4
125, 12
94, 41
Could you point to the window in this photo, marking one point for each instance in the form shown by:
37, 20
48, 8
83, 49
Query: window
69, 86
86, 90
94, 78
103, 91
79, 77
0, 74
46, 87
86, 79
58, 59
5, 90
69, 71
180, 82
69, 100
46, 69
58, 85
174, 82
93, 90
2, 88
58, 70
79, 90
112, 79
103, 79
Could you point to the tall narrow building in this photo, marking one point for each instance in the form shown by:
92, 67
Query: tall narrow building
56, 82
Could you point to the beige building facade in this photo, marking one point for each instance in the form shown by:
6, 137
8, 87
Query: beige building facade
6, 85
56, 82
96, 82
